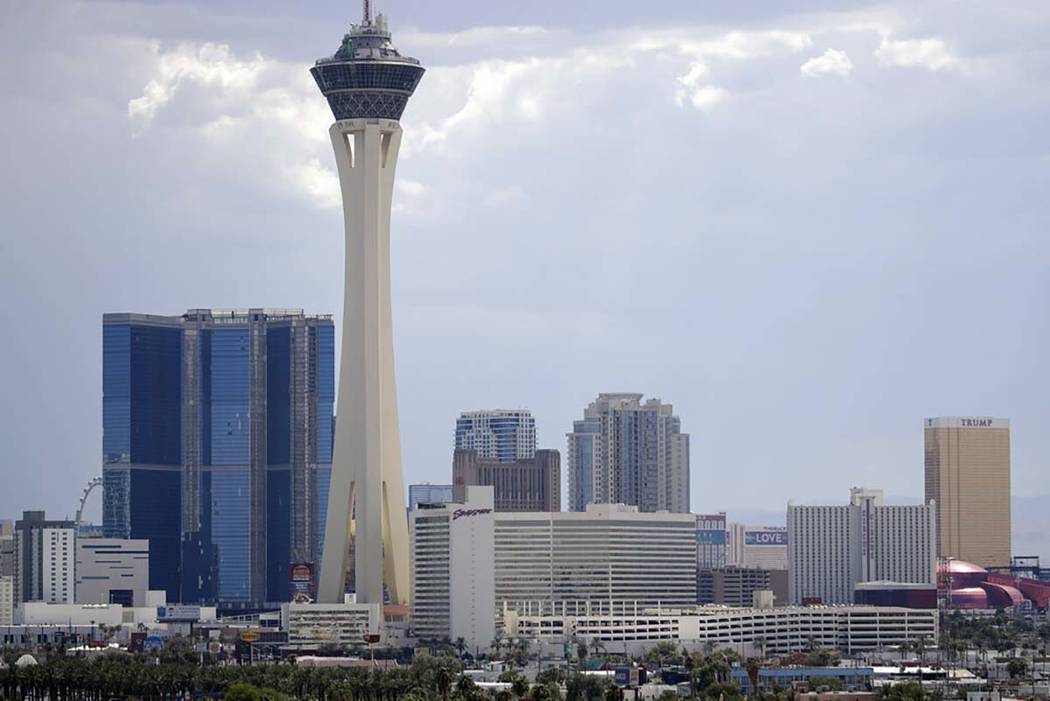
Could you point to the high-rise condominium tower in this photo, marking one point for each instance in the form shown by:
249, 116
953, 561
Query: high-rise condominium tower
968, 475
217, 440
497, 434
624, 451
367, 84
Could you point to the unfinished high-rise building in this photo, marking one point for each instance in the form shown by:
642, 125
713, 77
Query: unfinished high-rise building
217, 446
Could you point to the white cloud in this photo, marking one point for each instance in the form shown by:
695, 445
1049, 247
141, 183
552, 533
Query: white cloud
320, 183
695, 87
831, 62
506, 197
411, 188
207, 64
930, 53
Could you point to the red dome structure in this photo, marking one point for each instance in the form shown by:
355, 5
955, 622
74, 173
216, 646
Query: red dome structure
970, 587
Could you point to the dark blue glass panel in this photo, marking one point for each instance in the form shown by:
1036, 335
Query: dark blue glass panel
156, 395
363, 75
278, 396
116, 507
230, 392
155, 513
278, 533
325, 392
204, 373
230, 519
116, 393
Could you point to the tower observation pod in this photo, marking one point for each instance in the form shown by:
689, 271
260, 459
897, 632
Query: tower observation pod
367, 84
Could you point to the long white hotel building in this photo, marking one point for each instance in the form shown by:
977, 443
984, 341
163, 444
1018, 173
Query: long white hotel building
610, 556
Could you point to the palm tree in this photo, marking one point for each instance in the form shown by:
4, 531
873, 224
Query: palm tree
443, 683
540, 692
519, 687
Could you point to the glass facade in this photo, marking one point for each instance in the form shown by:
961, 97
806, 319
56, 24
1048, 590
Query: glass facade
149, 365
498, 434
141, 441
231, 517
428, 494
325, 423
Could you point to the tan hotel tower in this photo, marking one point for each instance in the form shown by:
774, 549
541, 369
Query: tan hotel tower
968, 475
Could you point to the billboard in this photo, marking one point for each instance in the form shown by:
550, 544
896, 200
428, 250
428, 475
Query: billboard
711, 537
766, 536
301, 581
168, 614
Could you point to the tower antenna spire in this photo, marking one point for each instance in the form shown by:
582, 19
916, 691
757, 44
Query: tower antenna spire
367, 12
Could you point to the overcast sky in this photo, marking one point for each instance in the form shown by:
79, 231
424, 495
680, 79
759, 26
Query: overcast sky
806, 227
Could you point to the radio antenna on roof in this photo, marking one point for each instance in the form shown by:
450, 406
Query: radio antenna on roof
367, 12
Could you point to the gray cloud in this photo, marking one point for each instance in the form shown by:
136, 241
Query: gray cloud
805, 268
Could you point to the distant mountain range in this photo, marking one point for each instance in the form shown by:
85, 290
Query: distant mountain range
1030, 517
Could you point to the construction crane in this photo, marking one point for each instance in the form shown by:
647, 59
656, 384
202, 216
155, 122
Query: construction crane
92, 483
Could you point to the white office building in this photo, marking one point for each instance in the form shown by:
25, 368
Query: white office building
469, 563
833, 548
762, 547
112, 571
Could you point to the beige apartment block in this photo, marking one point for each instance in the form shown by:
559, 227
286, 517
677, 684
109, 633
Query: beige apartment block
968, 475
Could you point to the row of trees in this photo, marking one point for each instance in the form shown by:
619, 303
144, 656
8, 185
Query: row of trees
119, 676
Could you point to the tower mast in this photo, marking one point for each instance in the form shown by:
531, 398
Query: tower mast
367, 13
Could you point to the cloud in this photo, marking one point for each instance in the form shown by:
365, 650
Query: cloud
208, 64
506, 197
321, 184
696, 89
930, 53
831, 62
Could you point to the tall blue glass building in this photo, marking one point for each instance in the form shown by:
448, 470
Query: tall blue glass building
218, 446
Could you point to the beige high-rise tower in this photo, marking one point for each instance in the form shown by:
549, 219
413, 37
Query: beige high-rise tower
968, 475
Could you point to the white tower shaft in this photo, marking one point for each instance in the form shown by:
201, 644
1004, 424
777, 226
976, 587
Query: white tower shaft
367, 485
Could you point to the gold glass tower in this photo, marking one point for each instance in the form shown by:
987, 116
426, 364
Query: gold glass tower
968, 475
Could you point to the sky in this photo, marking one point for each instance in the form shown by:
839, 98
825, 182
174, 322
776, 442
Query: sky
807, 225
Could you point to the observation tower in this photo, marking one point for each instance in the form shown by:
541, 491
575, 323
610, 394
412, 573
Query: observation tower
367, 84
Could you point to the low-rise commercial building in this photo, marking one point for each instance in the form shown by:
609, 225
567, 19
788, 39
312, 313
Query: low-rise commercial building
749, 631
847, 678
112, 571
312, 626
735, 586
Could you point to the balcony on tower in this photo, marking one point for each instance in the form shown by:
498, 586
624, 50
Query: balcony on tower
367, 78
